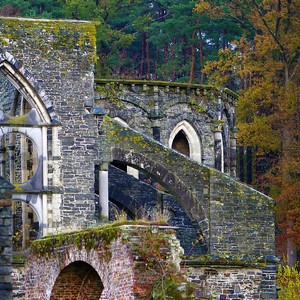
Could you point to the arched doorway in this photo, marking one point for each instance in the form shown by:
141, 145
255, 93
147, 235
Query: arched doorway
79, 281
185, 140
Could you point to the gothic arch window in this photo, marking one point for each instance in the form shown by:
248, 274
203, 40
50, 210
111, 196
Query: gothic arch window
185, 139
9, 73
24, 128
181, 144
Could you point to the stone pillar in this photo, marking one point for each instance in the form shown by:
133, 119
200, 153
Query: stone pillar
25, 233
6, 221
233, 154
2, 161
103, 190
45, 179
156, 131
11, 151
155, 116
219, 155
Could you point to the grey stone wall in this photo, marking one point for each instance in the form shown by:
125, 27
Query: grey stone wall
242, 219
58, 59
5, 249
142, 200
18, 280
236, 220
144, 105
221, 281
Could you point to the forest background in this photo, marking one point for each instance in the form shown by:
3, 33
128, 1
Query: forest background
249, 46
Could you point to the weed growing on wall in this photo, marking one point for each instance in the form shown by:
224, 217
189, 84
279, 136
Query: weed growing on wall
288, 279
164, 278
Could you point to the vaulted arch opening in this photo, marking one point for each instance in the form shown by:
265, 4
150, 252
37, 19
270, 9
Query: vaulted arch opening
185, 140
79, 281
159, 175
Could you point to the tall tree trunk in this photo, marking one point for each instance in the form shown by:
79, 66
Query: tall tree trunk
142, 56
166, 56
156, 61
193, 59
286, 145
41, 9
148, 56
202, 56
173, 57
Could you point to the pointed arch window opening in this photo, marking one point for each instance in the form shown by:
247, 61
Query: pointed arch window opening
185, 134
181, 143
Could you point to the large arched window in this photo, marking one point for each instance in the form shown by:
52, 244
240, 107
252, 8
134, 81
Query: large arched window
185, 140
24, 88
25, 121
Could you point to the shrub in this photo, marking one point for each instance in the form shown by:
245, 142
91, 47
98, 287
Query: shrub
288, 279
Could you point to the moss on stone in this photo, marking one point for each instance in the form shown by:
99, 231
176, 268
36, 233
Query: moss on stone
226, 261
90, 238
17, 120
49, 34
196, 107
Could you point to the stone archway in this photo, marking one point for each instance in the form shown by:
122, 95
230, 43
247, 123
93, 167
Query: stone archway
185, 139
78, 280
172, 181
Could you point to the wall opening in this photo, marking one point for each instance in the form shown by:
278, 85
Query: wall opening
181, 144
185, 140
19, 157
79, 281
25, 225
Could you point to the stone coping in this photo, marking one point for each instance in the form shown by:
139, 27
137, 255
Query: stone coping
165, 84
50, 20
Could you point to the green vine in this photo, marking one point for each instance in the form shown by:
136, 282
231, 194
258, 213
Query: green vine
196, 107
153, 255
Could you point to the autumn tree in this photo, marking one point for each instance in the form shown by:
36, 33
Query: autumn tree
264, 65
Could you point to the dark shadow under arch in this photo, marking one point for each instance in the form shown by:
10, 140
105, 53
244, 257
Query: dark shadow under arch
78, 280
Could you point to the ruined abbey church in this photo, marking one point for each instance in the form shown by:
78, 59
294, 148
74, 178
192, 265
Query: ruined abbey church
77, 151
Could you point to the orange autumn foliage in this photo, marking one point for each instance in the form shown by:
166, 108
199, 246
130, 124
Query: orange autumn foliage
265, 66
